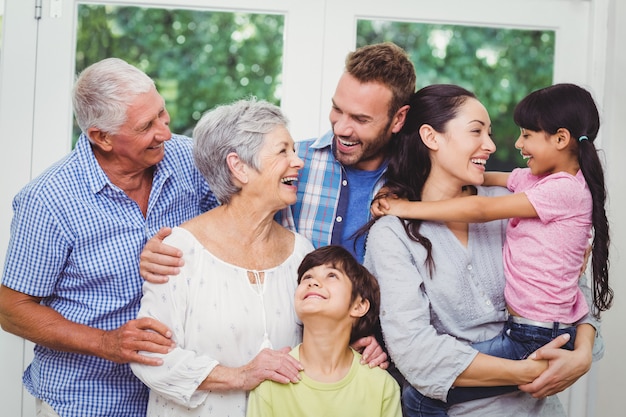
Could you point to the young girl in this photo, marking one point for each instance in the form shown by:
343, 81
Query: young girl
558, 200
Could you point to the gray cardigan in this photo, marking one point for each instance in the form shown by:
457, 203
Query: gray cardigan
428, 321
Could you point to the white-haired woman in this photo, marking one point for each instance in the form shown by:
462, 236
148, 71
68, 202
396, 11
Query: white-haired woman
231, 307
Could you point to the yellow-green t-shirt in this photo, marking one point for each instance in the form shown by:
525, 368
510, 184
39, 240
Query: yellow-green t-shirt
364, 391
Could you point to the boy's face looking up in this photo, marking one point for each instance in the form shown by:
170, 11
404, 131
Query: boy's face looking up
326, 291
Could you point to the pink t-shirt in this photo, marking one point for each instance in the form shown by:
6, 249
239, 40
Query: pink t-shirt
543, 256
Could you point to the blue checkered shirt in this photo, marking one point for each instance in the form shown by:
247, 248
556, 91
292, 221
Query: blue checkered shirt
322, 194
75, 241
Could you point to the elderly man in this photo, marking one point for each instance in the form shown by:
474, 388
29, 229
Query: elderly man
71, 280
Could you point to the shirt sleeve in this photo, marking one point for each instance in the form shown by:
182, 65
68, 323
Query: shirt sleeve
33, 265
598, 345
554, 197
182, 370
391, 399
429, 361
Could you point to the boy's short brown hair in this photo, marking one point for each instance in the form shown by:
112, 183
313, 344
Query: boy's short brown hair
363, 284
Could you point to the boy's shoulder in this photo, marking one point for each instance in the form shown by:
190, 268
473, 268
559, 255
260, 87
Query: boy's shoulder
375, 373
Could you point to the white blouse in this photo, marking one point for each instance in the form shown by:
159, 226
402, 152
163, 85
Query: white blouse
217, 317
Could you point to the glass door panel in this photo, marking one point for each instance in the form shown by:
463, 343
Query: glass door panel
499, 65
198, 58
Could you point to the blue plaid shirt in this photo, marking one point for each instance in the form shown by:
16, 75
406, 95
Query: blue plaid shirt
322, 194
75, 241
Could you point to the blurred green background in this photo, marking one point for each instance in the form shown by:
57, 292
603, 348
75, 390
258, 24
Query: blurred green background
200, 59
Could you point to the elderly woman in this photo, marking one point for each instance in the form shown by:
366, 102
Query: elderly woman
232, 303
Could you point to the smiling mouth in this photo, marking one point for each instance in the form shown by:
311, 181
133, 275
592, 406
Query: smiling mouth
478, 161
159, 146
313, 295
346, 143
289, 180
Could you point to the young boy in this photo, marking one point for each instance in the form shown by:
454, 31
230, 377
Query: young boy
337, 300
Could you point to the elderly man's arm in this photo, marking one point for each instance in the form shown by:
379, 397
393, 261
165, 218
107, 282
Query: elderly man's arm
24, 316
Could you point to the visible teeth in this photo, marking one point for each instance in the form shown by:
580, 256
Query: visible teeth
346, 143
288, 180
525, 156
479, 161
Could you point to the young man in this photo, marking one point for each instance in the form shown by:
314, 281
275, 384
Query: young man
343, 169
337, 300
71, 281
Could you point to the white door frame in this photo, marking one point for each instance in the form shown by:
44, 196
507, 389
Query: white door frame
36, 74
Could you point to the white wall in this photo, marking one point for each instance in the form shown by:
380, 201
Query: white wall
610, 372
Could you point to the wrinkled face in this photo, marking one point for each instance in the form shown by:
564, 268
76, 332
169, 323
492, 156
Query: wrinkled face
538, 149
360, 121
324, 290
139, 143
276, 180
464, 148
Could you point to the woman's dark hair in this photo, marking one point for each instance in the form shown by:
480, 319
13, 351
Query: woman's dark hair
363, 284
568, 106
409, 164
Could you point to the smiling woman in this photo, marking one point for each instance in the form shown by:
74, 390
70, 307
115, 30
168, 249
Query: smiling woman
442, 282
235, 255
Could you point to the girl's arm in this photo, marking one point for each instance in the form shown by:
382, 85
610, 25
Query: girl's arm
470, 209
495, 178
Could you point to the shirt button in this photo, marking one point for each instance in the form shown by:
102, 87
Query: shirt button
344, 182
469, 267
339, 219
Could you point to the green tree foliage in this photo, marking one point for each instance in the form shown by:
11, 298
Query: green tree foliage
500, 66
198, 59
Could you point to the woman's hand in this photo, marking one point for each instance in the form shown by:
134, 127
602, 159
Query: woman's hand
157, 260
275, 365
268, 364
564, 368
371, 352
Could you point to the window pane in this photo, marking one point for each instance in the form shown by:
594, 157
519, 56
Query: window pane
500, 66
198, 58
